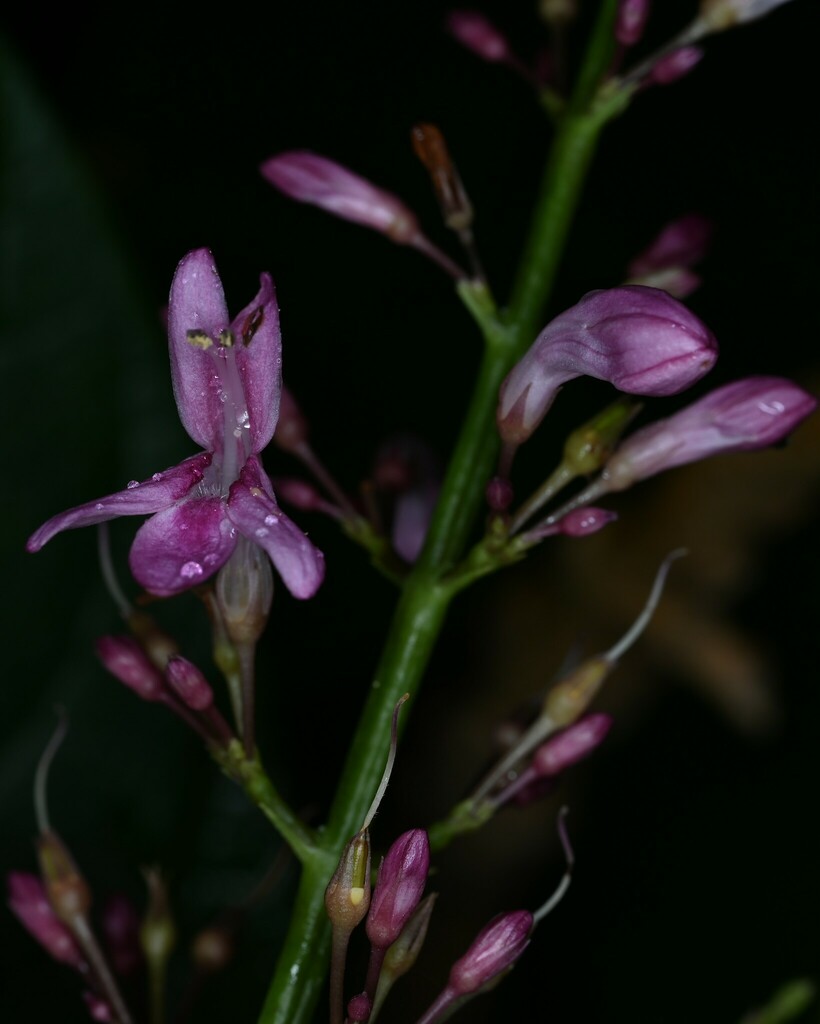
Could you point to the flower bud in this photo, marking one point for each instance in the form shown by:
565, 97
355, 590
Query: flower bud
572, 745
722, 14
499, 494
98, 1009
751, 413
120, 927
641, 340
587, 449
630, 21
681, 243
189, 684
310, 178
675, 65
299, 493
244, 592
404, 952
67, 890
158, 932
347, 897
581, 522
402, 877
125, 659
29, 903
495, 949
292, 429
359, 1007
478, 34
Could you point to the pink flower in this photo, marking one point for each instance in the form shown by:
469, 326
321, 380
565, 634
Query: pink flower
477, 33
641, 340
226, 376
747, 414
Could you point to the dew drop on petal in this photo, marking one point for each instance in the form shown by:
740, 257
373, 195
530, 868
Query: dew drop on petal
156, 477
132, 484
210, 558
261, 532
271, 520
99, 506
190, 570
772, 408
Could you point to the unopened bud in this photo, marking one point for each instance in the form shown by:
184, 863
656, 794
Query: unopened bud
588, 448
98, 1009
742, 416
570, 698
499, 494
723, 14
401, 882
675, 65
158, 933
156, 643
430, 147
495, 949
347, 897
189, 684
29, 903
641, 340
299, 493
572, 745
478, 34
630, 21
292, 430
359, 1008
404, 952
244, 592
582, 522
681, 243
68, 891
125, 659
120, 927
310, 178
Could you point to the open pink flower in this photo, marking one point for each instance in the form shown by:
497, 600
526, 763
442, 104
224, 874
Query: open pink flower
227, 384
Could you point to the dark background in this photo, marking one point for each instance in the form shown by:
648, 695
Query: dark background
130, 136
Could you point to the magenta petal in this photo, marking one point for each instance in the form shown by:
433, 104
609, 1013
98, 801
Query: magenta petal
182, 546
197, 303
154, 495
258, 347
254, 512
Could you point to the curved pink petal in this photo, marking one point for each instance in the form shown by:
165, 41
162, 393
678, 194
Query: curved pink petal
138, 499
258, 347
253, 510
182, 546
197, 304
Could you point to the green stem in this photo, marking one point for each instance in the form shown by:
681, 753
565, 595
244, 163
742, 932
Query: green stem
425, 597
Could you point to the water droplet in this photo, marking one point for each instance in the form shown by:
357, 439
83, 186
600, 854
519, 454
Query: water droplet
156, 477
99, 506
271, 520
132, 484
243, 418
237, 432
772, 408
262, 532
190, 570
209, 559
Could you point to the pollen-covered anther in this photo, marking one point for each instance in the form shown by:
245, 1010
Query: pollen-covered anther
252, 325
199, 339
225, 338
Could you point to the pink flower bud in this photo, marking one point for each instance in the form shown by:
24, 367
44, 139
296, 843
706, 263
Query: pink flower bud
359, 1007
681, 243
631, 21
583, 521
641, 340
499, 494
189, 684
310, 178
123, 657
299, 493
675, 65
478, 34
402, 877
292, 430
495, 949
572, 745
98, 1009
751, 413
29, 903
121, 925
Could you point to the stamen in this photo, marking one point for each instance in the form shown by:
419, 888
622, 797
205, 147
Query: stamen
199, 339
252, 325
642, 621
225, 338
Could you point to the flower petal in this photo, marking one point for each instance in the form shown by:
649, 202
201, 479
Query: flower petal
253, 510
138, 499
182, 546
197, 303
258, 347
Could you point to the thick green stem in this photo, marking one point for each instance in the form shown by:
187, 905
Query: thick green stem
425, 598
